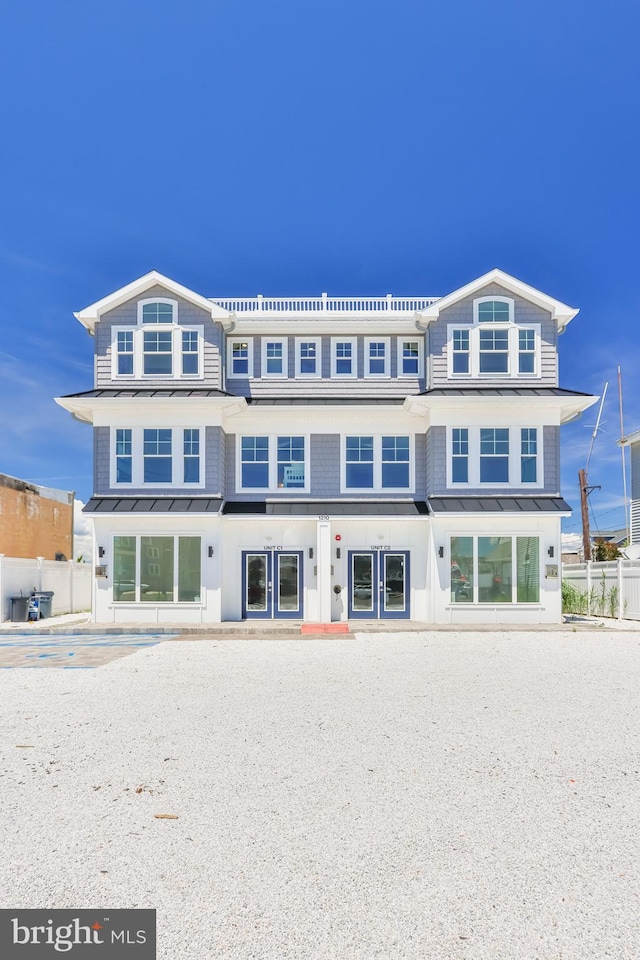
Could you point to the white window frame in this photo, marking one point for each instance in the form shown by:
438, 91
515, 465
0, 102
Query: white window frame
176, 570
513, 602
354, 358
377, 487
284, 342
137, 458
176, 329
240, 376
513, 331
476, 310
273, 464
514, 482
387, 358
318, 343
399, 358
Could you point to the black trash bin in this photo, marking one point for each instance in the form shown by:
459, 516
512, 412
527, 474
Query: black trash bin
40, 603
19, 609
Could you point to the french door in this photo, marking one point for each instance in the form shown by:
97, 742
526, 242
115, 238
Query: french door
272, 584
379, 584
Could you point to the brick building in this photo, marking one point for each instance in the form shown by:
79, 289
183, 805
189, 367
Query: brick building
35, 521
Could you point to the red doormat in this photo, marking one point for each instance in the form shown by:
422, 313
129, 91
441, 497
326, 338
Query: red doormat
324, 628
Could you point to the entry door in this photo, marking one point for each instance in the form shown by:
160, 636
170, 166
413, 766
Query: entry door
379, 584
272, 584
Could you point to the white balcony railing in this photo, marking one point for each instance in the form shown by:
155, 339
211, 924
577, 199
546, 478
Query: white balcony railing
325, 306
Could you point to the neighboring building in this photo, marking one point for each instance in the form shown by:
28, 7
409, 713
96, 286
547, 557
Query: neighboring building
632, 441
35, 521
327, 458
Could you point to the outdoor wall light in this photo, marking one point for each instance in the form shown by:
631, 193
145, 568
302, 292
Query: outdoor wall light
101, 551
550, 551
210, 551
441, 552
310, 553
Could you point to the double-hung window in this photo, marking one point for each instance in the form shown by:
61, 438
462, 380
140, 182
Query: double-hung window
124, 455
157, 453
460, 455
157, 347
309, 358
528, 455
410, 362
157, 456
344, 357
377, 463
240, 358
494, 457
494, 351
494, 346
274, 358
377, 359
273, 463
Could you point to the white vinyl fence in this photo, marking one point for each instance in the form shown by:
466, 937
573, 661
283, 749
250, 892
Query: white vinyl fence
607, 589
70, 582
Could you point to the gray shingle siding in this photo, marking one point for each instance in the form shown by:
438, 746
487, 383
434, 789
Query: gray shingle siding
188, 315
324, 463
462, 312
635, 471
437, 467
213, 465
326, 387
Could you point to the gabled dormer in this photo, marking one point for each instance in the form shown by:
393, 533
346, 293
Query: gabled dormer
495, 331
155, 331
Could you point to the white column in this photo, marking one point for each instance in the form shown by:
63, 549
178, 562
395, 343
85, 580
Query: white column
40, 562
71, 603
324, 571
620, 590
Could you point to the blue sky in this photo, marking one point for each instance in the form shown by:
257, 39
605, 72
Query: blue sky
287, 148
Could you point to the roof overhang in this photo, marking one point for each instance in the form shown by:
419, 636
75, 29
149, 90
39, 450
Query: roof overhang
569, 407
92, 314
153, 505
86, 408
481, 506
559, 311
630, 439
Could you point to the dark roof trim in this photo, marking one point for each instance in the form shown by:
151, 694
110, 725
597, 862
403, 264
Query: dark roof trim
338, 508
323, 401
153, 505
498, 505
502, 392
162, 393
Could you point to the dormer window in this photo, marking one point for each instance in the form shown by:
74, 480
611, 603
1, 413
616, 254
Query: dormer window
158, 346
494, 346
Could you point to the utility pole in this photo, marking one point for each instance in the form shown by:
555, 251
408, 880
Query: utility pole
586, 533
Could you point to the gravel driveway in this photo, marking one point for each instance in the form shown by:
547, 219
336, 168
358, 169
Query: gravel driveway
431, 796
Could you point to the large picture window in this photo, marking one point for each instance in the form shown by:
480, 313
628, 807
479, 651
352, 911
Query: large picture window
157, 569
494, 457
495, 570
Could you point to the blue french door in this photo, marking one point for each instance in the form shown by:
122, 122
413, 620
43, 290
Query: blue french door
379, 584
271, 584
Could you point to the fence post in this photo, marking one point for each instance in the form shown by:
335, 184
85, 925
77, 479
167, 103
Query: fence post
71, 607
40, 562
2, 608
620, 590
588, 562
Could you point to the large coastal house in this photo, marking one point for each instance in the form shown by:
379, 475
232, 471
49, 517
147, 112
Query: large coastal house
327, 458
